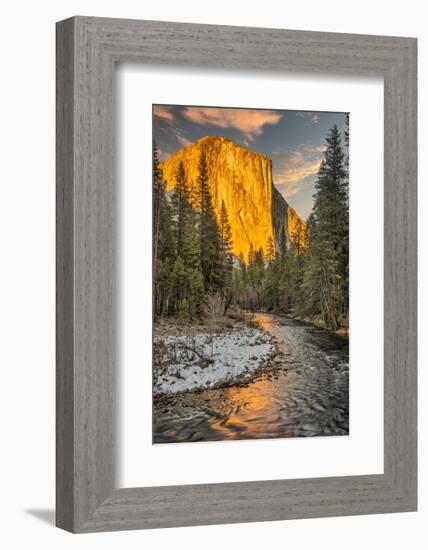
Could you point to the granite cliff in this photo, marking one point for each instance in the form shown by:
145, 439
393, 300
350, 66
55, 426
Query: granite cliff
243, 180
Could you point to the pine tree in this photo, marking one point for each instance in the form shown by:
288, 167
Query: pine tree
255, 277
273, 271
251, 254
226, 258
286, 267
260, 257
180, 206
164, 287
270, 250
209, 235
195, 286
179, 291
324, 284
297, 239
225, 230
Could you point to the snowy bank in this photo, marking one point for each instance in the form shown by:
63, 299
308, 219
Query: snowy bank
208, 360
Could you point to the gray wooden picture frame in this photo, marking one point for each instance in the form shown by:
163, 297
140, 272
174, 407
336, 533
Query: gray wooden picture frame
87, 50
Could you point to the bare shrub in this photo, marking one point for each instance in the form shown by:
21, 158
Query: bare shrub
184, 352
213, 309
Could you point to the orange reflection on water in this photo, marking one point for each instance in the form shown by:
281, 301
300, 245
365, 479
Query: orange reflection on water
264, 321
250, 409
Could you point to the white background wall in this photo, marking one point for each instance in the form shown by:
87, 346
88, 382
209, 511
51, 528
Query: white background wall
27, 272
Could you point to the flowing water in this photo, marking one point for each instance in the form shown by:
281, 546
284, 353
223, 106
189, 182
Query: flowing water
304, 394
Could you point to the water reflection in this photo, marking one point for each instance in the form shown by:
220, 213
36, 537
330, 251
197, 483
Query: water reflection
305, 393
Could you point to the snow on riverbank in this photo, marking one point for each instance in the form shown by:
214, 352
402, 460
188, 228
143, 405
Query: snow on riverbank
206, 361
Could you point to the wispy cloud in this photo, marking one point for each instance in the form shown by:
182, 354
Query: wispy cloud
313, 149
182, 140
162, 155
294, 165
248, 121
164, 112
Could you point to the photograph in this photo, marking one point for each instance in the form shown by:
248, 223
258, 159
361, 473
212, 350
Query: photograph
250, 273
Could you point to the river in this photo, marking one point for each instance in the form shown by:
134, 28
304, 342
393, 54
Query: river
305, 394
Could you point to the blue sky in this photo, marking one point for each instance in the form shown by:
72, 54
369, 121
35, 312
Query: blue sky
294, 140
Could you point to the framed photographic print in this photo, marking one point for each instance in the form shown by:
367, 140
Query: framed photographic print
236, 274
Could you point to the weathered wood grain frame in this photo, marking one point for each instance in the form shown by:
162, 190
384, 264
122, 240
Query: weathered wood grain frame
87, 50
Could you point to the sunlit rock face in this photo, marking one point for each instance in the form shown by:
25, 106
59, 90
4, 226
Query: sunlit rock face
243, 180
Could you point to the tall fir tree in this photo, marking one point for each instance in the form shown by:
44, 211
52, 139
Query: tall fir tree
324, 283
251, 254
180, 206
297, 238
270, 250
209, 235
255, 278
226, 258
